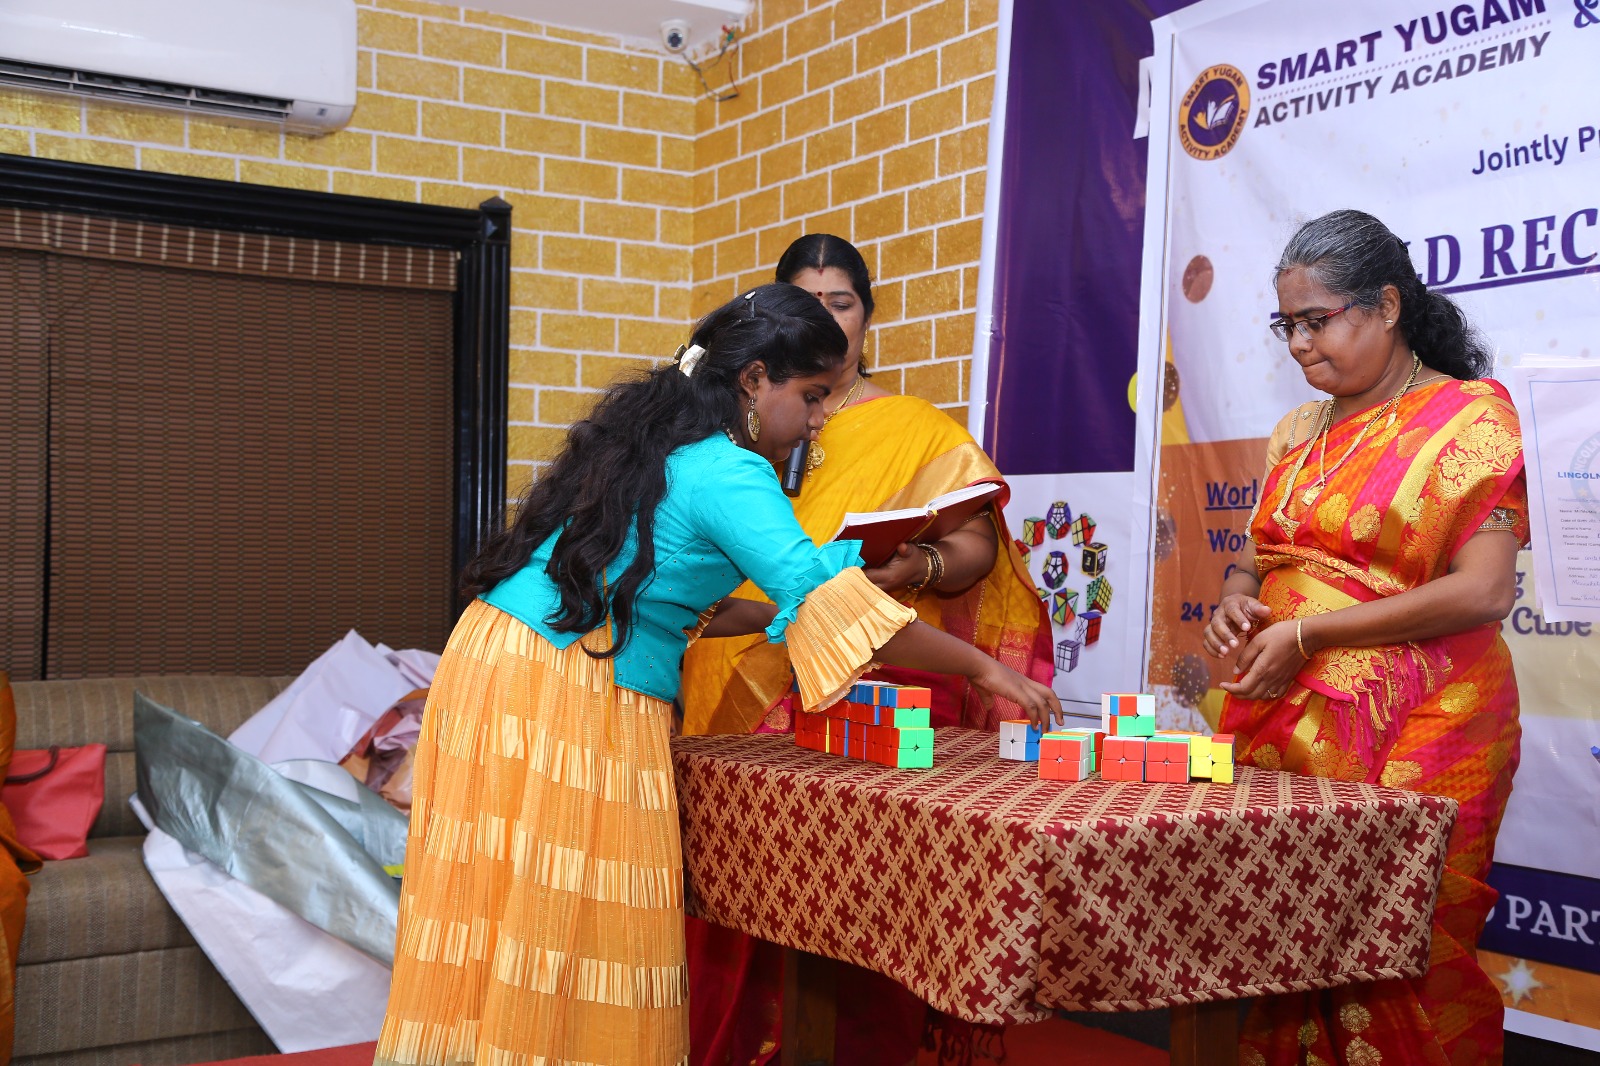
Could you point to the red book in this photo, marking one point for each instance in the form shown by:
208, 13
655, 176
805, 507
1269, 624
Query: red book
881, 532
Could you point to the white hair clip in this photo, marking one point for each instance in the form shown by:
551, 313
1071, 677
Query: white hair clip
689, 358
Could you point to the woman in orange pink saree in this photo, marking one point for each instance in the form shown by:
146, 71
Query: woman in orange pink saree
876, 451
1365, 616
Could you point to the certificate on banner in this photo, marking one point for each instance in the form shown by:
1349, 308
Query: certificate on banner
1559, 404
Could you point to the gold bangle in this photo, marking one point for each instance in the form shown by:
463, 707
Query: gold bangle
1299, 626
927, 575
935, 572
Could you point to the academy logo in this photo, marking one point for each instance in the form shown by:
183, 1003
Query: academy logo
1213, 112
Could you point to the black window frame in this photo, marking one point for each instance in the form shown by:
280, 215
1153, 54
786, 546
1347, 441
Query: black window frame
482, 310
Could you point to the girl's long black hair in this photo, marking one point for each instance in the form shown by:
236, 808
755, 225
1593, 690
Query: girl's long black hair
1354, 254
612, 470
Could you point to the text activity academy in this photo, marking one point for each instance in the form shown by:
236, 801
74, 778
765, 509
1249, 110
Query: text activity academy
1429, 49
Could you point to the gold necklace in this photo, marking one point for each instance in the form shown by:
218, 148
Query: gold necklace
816, 455
1312, 490
1325, 425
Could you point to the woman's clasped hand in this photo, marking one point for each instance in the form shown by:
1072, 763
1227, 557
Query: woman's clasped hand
1268, 653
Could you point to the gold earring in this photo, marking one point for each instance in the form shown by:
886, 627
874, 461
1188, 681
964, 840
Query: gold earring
752, 422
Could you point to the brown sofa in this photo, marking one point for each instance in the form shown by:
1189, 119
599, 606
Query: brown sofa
108, 975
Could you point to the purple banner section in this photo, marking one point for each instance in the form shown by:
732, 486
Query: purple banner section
1544, 916
1066, 293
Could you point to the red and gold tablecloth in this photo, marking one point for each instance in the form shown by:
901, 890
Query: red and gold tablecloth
992, 894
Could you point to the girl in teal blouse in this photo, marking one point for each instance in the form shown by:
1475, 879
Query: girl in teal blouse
542, 909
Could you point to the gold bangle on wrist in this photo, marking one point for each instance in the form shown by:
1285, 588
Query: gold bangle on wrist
935, 572
927, 574
1299, 629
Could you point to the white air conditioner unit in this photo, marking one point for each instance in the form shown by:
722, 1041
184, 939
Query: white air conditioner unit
290, 63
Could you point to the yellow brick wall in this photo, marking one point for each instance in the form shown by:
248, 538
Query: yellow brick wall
868, 119
591, 142
639, 204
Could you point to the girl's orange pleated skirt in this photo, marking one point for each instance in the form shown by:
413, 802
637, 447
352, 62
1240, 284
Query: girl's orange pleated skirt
541, 915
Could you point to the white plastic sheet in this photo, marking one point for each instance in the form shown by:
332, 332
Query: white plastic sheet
307, 989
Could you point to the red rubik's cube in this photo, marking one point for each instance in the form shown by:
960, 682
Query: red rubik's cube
811, 731
838, 736
1166, 759
1067, 755
1124, 759
908, 748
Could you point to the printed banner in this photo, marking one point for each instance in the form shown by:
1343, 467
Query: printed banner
1057, 407
1471, 129
1088, 560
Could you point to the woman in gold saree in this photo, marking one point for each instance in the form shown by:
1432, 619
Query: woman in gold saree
1366, 615
876, 451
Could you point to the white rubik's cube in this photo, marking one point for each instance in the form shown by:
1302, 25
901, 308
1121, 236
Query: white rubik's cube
1019, 740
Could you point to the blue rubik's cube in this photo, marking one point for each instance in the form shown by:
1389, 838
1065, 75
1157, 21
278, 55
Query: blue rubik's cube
1058, 519
1055, 569
1019, 740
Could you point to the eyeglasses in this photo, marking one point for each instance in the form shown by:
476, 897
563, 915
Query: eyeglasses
1306, 327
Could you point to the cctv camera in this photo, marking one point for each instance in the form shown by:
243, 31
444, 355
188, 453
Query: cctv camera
675, 35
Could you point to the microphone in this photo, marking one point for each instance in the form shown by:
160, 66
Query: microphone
794, 469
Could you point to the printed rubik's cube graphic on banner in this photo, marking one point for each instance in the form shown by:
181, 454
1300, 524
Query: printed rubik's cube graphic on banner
1055, 569
1067, 655
1063, 606
1071, 573
1058, 519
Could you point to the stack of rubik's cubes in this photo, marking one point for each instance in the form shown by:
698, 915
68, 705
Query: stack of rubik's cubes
1062, 754
1126, 747
876, 721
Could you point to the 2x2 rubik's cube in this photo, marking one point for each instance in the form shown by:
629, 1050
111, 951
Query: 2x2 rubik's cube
1127, 747
876, 722
1062, 754
1135, 750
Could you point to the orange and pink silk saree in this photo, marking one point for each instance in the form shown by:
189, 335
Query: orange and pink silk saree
1436, 715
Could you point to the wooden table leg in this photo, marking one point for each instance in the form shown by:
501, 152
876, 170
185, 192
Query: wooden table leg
809, 983
1206, 1034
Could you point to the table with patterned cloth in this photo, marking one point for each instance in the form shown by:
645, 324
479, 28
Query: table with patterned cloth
996, 897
